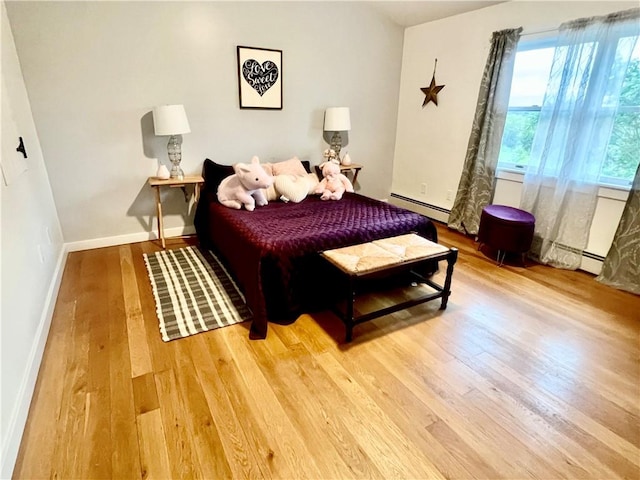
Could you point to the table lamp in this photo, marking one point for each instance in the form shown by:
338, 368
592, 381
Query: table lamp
172, 120
336, 120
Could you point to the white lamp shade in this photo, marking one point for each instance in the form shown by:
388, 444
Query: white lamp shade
170, 120
337, 119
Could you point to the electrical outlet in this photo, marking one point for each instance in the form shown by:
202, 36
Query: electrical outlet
423, 188
449, 195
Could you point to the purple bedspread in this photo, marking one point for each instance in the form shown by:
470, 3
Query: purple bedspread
272, 252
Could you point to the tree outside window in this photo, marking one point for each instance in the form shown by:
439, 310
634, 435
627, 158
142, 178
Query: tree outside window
531, 71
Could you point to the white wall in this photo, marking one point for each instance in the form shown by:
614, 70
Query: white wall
431, 143
32, 255
94, 70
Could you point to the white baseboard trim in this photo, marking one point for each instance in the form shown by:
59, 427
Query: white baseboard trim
432, 211
20, 412
129, 238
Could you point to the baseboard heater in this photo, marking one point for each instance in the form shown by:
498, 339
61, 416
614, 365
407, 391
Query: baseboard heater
584, 253
588, 255
422, 204
593, 256
591, 262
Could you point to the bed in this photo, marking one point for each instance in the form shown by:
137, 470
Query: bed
273, 252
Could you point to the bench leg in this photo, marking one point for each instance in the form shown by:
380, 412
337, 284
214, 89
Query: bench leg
442, 292
348, 319
349, 333
452, 257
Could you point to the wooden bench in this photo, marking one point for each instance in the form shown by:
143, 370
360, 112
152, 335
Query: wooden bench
384, 258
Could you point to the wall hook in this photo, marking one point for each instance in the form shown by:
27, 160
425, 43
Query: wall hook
21, 148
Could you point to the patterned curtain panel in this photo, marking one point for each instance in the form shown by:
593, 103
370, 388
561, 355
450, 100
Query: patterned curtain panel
570, 145
477, 183
621, 268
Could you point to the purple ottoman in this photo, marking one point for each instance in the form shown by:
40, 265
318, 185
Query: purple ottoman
506, 229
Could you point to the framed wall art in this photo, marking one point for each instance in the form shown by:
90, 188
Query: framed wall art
260, 78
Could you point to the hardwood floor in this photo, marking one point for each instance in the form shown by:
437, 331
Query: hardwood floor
529, 373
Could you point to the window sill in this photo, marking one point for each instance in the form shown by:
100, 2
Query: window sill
613, 192
510, 174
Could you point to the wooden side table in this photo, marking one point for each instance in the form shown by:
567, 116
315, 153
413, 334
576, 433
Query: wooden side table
157, 183
354, 168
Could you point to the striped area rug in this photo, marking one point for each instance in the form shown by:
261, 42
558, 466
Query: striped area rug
193, 292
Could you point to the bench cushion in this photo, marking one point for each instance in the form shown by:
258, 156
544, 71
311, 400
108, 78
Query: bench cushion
383, 253
362, 258
410, 246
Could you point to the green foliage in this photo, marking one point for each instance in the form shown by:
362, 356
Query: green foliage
623, 152
517, 138
630, 93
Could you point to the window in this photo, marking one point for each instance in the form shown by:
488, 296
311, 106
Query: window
531, 72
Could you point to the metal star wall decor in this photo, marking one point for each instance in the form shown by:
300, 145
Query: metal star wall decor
431, 92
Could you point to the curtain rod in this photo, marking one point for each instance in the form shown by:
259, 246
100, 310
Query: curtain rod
539, 32
630, 14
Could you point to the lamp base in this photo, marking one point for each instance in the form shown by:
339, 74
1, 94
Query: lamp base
176, 172
336, 143
174, 150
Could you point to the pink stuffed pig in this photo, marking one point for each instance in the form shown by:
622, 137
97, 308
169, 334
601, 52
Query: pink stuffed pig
245, 186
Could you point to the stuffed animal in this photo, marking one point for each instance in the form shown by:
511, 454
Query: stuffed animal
244, 186
292, 188
330, 155
334, 183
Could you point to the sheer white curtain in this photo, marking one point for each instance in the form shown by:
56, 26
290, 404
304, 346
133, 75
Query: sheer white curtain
561, 181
